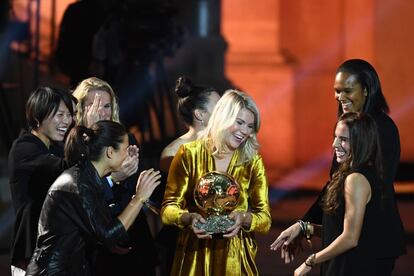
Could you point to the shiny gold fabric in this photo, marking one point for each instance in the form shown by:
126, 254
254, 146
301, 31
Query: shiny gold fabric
235, 256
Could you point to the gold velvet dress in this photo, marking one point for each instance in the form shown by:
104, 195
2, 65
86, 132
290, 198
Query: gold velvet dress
235, 256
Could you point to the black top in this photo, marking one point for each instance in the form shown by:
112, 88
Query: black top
143, 253
390, 148
32, 170
73, 221
360, 260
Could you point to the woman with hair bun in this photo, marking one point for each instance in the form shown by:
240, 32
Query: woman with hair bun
74, 217
195, 105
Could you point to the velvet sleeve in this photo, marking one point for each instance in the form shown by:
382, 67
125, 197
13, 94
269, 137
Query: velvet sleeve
259, 199
177, 185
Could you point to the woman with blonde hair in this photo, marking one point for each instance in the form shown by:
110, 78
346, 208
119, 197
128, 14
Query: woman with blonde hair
194, 107
97, 101
228, 145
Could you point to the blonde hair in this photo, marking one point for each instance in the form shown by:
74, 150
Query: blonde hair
93, 84
223, 118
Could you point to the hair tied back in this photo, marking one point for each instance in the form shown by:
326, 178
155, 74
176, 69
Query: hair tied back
85, 137
183, 87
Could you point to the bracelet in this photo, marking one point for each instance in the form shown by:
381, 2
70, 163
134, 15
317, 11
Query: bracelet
302, 226
310, 261
140, 199
310, 265
306, 229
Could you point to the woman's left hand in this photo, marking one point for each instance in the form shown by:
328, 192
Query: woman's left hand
303, 269
238, 218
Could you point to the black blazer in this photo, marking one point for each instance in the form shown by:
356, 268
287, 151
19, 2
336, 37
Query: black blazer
32, 170
73, 222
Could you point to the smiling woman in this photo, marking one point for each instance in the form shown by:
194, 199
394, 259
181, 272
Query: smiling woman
75, 219
228, 144
33, 168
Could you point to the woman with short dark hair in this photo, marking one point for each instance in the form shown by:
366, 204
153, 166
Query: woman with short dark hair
33, 168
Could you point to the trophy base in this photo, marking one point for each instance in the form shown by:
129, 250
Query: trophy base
216, 224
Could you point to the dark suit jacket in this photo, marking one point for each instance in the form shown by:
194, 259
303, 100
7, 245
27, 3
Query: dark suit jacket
32, 170
73, 221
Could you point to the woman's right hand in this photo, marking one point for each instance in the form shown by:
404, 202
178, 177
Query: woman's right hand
288, 243
148, 180
92, 113
192, 219
200, 233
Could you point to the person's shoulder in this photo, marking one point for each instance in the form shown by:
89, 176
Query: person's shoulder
27, 145
382, 118
172, 148
194, 144
357, 181
257, 157
193, 147
66, 182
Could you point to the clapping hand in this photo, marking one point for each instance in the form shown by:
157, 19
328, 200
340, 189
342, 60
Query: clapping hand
129, 166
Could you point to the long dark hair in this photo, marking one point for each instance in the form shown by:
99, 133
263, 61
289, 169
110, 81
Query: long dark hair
364, 151
88, 143
368, 78
190, 97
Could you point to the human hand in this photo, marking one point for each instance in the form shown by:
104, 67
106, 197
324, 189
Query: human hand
92, 113
148, 180
303, 269
200, 233
289, 242
239, 219
129, 166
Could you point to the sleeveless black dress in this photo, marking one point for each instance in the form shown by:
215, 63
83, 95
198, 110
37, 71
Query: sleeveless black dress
365, 257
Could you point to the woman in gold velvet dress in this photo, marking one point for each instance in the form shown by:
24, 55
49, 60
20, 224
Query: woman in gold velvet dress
229, 145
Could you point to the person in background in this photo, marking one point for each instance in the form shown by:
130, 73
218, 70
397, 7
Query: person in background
75, 217
33, 167
229, 145
195, 105
97, 101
